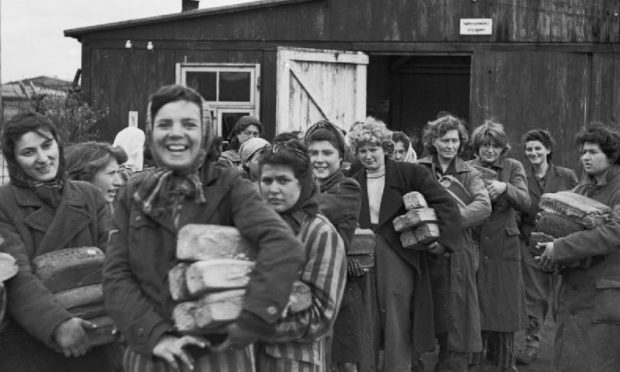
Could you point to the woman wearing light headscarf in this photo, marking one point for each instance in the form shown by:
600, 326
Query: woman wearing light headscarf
154, 205
403, 150
131, 140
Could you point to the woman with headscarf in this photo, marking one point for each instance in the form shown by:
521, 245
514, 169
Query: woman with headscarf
41, 212
287, 185
542, 177
245, 128
500, 283
457, 313
403, 282
588, 319
403, 150
249, 153
186, 187
131, 139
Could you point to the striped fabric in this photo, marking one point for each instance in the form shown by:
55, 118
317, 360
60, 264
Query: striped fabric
232, 361
299, 342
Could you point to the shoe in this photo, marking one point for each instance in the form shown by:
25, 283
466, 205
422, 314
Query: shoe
528, 355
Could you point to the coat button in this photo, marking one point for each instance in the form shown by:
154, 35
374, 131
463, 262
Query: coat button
272, 310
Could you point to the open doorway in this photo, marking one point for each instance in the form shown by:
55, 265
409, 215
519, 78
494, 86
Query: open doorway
408, 91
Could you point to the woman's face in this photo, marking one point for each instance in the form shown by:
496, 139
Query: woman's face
108, 180
594, 160
372, 156
38, 155
489, 152
448, 145
279, 187
399, 151
325, 159
536, 152
177, 134
250, 132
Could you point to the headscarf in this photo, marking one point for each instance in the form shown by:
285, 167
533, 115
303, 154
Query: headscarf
131, 139
50, 192
163, 189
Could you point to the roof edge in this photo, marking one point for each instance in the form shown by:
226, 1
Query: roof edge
77, 33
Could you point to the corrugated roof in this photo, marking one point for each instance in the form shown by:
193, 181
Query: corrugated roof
78, 32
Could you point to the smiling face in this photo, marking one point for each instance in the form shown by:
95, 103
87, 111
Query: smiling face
325, 158
177, 134
279, 187
536, 152
447, 146
108, 180
250, 132
372, 156
489, 152
594, 160
38, 155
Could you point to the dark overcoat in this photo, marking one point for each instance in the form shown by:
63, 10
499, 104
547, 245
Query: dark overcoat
29, 228
500, 282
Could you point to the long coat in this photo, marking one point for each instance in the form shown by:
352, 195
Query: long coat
588, 326
30, 228
500, 282
142, 249
454, 281
400, 179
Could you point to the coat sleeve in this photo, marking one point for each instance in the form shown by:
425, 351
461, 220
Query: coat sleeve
131, 310
30, 303
342, 209
476, 212
517, 192
280, 257
325, 274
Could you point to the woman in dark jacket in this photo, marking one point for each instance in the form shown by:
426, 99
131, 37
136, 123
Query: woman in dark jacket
542, 177
403, 282
457, 313
588, 321
41, 212
152, 208
245, 128
500, 284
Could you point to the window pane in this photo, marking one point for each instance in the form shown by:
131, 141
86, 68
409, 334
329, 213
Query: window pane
235, 86
228, 122
204, 83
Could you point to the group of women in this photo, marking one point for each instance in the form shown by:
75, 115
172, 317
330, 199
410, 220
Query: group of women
468, 292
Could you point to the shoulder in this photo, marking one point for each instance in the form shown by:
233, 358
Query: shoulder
317, 225
350, 185
565, 172
6, 191
82, 187
514, 165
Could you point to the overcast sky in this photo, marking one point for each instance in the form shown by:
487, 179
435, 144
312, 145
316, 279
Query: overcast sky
32, 31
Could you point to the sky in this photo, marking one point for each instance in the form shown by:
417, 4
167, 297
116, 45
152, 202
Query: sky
31, 31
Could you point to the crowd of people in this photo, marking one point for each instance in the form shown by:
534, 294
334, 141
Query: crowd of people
299, 200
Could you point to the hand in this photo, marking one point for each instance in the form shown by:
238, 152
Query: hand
496, 189
169, 348
355, 269
545, 260
437, 249
237, 338
71, 336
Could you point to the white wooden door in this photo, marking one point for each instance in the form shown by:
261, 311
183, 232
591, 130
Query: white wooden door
315, 84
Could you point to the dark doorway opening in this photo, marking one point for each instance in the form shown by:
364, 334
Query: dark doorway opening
408, 91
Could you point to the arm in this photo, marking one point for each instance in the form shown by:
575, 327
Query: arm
476, 212
325, 273
517, 193
342, 208
131, 310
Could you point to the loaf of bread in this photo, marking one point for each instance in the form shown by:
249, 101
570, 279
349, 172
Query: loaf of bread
80, 296
578, 208
414, 200
8, 266
177, 282
413, 218
69, 268
486, 174
420, 237
197, 242
217, 274
362, 247
556, 225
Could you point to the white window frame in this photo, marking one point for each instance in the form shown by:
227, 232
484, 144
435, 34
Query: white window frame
218, 108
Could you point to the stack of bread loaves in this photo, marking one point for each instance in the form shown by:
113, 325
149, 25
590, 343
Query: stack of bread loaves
73, 275
418, 227
209, 282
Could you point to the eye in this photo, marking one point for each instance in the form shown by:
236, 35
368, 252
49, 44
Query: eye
163, 124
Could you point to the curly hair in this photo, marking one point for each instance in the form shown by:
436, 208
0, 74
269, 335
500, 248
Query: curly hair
543, 136
372, 132
84, 160
438, 128
607, 138
490, 132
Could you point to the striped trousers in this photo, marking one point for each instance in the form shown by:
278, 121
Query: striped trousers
232, 361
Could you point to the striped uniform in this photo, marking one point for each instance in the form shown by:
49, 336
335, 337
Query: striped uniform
298, 344
232, 361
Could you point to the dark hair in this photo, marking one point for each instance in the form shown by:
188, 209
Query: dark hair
173, 93
490, 131
21, 124
607, 138
286, 136
241, 125
543, 136
324, 130
401, 137
438, 128
293, 154
84, 160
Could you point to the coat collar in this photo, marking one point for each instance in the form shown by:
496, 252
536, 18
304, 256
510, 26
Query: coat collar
498, 164
459, 164
552, 179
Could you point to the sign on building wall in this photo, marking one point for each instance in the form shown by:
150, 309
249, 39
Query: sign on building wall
476, 26
133, 119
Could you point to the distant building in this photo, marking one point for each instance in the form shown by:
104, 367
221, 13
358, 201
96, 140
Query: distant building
16, 95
